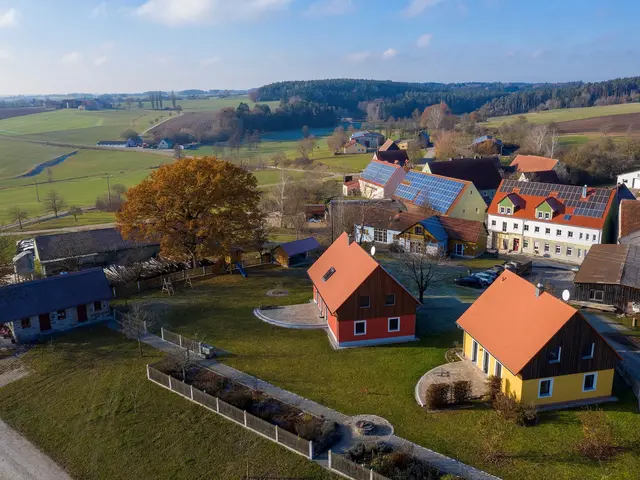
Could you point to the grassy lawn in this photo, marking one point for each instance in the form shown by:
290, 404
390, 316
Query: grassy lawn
213, 104
566, 114
18, 157
88, 218
381, 380
90, 407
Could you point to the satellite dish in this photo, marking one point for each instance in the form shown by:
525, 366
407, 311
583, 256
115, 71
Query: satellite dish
373, 251
566, 295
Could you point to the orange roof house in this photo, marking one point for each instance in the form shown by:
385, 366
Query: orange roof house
362, 302
544, 350
629, 225
533, 163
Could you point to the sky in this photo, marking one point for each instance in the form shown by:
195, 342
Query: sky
100, 46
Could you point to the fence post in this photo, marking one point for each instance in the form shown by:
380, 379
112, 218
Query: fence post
170, 387
148, 376
144, 322
245, 417
277, 434
310, 450
329, 459
370, 474
218, 405
203, 271
180, 336
162, 332
191, 388
199, 348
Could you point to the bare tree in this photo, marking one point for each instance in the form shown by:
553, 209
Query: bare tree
184, 358
18, 215
537, 139
606, 128
433, 116
298, 223
136, 323
75, 211
554, 142
423, 269
414, 152
279, 159
119, 190
337, 139
306, 146
280, 191
54, 202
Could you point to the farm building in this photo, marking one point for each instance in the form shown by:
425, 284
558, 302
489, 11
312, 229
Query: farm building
383, 225
368, 139
533, 163
362, 302
380, 179
388, 145
630, 179
165, 144
546, 176
610, 275
422, 139
487, 144
629, 222
482, 172
112, 143
65, 252
544, 350
315, 211
56, 303
396, 157
351, 186
352, 147
425, 192
298, 252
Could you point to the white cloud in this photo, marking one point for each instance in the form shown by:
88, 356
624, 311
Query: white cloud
99, 11
108, 46
537, 53
328, 7
99, 61
5, 54
209, 61
8, 18
389, 53
416, 7
424, 40
178, 13
358, 57
72, 57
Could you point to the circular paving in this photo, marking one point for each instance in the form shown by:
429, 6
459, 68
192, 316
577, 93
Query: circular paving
277, 293
369, 428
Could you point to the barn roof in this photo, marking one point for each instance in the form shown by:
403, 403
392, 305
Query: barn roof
300, 246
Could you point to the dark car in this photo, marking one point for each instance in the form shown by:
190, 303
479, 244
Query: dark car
473, 282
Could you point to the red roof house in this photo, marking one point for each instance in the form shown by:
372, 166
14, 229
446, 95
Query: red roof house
362, 302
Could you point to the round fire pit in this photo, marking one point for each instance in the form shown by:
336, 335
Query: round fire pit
364, 427
277, 293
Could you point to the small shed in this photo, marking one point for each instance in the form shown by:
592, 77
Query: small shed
315, 211
298, 252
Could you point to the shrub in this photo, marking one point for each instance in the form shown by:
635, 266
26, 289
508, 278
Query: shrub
461, 391
209, 382
599, 442
239, 397
438, 395
515, 411
494, 385
329, 435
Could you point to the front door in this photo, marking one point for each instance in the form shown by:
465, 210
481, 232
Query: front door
485, 362
459, 249
45, 322
82, 313
516, 244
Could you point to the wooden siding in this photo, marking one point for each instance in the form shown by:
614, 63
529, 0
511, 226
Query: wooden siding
573, 337
617, 295
377, 286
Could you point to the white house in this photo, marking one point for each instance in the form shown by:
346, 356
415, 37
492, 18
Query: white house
368, 139
57, 303
630, 179
380, 179
165, 144
352, 147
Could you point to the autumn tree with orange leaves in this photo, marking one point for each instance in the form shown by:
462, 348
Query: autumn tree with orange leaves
195, 207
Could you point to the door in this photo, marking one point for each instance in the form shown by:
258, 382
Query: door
474, 351
485, 362
459, 249
45, 322
82, 313
516, 244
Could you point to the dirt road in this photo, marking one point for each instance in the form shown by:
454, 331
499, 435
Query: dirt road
21, 460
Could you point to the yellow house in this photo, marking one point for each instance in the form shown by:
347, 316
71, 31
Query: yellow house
544, 350
352, 147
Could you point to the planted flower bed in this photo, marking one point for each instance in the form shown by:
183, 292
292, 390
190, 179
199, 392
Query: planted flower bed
323, 433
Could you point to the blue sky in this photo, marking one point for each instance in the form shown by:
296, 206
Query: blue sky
57, 46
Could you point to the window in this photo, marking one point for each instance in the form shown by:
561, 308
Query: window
555, 355
389, 299
61, 314
508, 210
558, 250
545, 387
419, 230
547, 231
596, 295
589, 382
502, 209
477, 210
569, 251
525, 243
379, 235
504, 226
526, 228
580, 235
536, 245
540, 214
474, 351
587, 352
498, 370
360, 327
365, 301
97, 306
579, 253
586, 236
558, 233
394, 324
25, 323
329, 273
515, 226
547, 215
493, 223
536, 229
546, 247
570, 234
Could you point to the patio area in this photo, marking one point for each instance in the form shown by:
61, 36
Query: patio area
302, 316
449, 373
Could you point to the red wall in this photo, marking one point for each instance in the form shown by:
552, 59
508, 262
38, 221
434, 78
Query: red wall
377, 328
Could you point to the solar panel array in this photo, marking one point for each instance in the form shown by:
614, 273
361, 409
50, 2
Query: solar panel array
430, 191
378, 173
569, 195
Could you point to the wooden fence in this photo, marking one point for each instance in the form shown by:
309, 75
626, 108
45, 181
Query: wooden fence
242, 417
349, 469
184, 342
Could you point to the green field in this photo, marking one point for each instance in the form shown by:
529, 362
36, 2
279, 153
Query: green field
566, 114
213, 104
17, 158
89, 405
87, 218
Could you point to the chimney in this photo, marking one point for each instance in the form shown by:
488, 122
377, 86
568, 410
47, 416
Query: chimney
350, 239
584, 192
539, 289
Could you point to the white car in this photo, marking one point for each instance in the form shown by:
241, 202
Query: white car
485, 278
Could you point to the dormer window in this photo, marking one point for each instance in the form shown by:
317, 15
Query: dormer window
540, 214
508, 210
547, 215
419, 231
555, 355
502, 210
329, 273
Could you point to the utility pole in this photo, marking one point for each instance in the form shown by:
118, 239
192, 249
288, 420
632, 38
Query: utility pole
108, 177
37, 192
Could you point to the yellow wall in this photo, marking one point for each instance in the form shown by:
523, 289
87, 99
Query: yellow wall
470, 205
567, 388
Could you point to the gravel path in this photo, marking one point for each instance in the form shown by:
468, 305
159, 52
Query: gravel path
21, 460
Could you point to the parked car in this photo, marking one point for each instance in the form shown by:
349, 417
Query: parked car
471, 281
492, 273
485, 278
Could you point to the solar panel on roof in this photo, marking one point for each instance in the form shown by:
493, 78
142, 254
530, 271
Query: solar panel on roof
378, 173
427, 190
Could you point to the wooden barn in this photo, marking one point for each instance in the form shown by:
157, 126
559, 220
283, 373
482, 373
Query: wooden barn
298, 252
610, 275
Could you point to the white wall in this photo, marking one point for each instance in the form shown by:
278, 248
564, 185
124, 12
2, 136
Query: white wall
517, 226
367, 234
369, 190
631, 179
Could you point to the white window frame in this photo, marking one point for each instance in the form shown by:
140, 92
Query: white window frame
559, 356
495, 369
508, 209
502, 209
547, 215
547, 231
594, 298
581, 235
486, 360
558, 249
540, 214
558, 232
536, 229
590, 356
547, 248
526, 228
515, 226
493, 223
569, 251
389, 324
570, 234
475, 347
419, 230
461, 252
355, 328
550, 380
595, 382
525, 243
